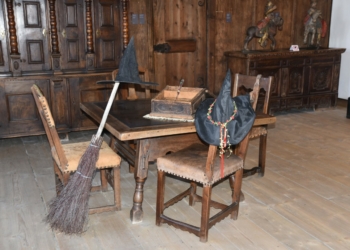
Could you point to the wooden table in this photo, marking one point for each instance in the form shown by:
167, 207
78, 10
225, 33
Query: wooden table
153, 138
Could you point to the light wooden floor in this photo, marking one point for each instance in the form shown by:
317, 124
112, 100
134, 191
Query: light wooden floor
303, 202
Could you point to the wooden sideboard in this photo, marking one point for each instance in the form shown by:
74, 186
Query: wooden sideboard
303, 79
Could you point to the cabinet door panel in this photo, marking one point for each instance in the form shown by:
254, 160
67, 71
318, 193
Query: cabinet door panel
321, 78
60, 103
18, 109
4, 67
296, 81
32, 32
86, 90
108, 46
71, 34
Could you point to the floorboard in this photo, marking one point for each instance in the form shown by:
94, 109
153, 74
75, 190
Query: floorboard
302, 202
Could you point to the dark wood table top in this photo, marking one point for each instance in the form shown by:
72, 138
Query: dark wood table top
126, 122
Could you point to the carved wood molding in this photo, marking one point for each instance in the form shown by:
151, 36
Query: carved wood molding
12, 27
53, 27
89, 28
125, 23
283, 53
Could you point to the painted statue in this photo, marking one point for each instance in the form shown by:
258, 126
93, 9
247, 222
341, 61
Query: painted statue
314, 25
265, 28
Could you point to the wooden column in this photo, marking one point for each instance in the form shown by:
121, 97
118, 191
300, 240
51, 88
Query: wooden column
125, 24
90, 54
14, 54
55, 53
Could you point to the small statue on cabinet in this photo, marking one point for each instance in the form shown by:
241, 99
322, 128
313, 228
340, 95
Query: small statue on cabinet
315, 25
266, 28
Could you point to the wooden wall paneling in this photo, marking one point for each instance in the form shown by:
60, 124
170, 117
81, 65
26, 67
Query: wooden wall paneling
108, 33
223, 39
71, 34
140, 27
243, 16
20, 115
33, 35
201, 58
181, 22
4, 57
60, 103
159, 38
211, 34
284, 38
230, 34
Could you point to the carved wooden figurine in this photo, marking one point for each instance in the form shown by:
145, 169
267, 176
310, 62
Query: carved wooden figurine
314, 25
266, 28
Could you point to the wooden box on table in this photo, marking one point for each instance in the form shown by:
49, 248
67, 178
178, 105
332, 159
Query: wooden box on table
166, 105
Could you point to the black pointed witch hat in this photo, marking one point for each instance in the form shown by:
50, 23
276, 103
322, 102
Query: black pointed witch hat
128, 68
227, 118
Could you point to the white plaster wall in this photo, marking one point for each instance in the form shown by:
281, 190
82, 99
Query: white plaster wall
340, 38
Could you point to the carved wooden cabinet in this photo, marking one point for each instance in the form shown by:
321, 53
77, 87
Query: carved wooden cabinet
304, 79
62, 46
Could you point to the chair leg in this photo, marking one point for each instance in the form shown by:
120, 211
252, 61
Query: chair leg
58, 184
160, 196
192, 199
236, 191
262, 154
116, 187
232, 185
66, 177
103, 178
205, 213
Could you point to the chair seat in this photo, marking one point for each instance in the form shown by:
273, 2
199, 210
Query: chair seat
74, 151
257, 131
189, 163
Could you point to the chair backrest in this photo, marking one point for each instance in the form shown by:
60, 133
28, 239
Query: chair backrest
244, 84
131, 95
49, 125
241, 149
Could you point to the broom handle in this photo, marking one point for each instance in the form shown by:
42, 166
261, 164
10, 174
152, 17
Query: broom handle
108, 107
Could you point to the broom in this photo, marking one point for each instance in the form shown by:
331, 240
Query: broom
69, 211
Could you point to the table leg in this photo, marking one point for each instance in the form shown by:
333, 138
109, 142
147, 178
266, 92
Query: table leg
136, 212
141, 171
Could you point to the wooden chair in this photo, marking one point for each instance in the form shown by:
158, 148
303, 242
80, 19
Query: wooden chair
131, 95
242, 85
66, 157
201, 165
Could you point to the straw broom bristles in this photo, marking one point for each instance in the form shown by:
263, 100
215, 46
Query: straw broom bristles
69, 211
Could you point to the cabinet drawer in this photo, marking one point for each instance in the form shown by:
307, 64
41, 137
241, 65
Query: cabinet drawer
322, 60
322, 101
296, 102
19, 111
268, 63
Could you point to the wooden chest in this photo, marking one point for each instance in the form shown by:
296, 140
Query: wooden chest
166, 105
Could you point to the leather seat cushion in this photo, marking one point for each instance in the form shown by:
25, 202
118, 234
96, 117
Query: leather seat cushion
189, 163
